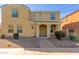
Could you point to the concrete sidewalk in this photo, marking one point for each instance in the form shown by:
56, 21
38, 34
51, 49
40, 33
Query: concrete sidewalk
52, 51
12, 51
39, 51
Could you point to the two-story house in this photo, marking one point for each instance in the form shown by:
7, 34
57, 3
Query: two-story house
20, 19
70, 23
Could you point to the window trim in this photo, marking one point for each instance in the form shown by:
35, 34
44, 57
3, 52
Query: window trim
53, 15
19, 29
16, 13
10, 29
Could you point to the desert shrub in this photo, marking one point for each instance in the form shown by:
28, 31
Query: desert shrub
3, 36
16, 35
9, 45
71, 37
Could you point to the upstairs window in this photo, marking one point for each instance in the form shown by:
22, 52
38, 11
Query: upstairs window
14, 13
10, 29
19, 29
53, 16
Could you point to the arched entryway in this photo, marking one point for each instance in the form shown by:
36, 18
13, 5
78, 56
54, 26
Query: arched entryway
43, 30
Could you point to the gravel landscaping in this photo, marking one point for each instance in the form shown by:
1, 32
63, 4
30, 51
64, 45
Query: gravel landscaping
20, 43
64, 43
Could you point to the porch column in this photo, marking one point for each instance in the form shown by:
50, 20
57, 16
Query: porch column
59, 26
67, 30
37, 31
48, 31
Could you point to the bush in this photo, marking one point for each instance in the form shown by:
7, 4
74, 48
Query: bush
3, 36
59, 34
16, 35
9, 45
71, 37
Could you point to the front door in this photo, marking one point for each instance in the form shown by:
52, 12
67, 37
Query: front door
43, 31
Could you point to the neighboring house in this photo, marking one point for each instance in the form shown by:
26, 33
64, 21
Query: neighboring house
70, 22
20, 19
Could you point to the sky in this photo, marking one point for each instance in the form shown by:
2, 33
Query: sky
64, 9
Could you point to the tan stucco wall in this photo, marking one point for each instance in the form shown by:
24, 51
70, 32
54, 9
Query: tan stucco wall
0, 32
23, 19
44, 16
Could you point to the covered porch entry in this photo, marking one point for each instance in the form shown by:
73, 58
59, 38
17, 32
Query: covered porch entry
45, 30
